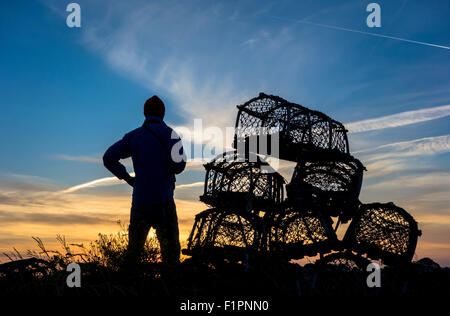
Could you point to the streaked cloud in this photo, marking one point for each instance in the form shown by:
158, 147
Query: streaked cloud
80, 216
399, 119
437, 181
79, 158
94, 183
197, 94
9, 218
190, 185
384, 167
108, 181
416, 147
382, 160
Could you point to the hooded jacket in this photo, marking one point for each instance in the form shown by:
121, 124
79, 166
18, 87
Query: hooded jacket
157, 154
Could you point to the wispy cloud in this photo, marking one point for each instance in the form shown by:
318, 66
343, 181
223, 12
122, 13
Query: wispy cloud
416, 147
177, 72
92, 184
79, 158
399, 119
190, 185
384, 167
109, 181
431, 181
10, 218
39, 211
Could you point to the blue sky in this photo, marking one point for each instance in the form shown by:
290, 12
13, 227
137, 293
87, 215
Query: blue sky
68, 93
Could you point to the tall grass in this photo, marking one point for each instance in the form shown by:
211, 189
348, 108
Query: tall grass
108, 250
102, 263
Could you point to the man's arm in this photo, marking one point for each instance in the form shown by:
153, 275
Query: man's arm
119, 150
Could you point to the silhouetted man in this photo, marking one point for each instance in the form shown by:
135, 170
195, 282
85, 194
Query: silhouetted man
157, 154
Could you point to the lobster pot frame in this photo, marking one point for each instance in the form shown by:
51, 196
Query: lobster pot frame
383, 231
294, 233
245, 184
296, 127
223, 233
331, 180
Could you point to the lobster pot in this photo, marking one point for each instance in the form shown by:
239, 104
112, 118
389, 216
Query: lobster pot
271, 125
224, 233
295, 233
245, 184
329, 179
383, 231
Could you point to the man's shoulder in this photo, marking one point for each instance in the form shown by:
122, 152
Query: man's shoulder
133, 132
162, 129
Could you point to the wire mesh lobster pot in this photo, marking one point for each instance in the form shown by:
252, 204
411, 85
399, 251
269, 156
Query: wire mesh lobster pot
271, 125
233, 181
224, 234
383, 231
330, 180
294, 233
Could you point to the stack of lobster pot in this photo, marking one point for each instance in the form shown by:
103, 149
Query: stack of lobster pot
238, 189
250, 214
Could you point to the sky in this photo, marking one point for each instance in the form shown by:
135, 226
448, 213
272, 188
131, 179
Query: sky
69, 93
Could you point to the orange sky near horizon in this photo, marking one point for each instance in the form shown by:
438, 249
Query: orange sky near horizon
80, 216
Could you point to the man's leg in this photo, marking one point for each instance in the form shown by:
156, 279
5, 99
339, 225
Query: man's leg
168, 234
137, 234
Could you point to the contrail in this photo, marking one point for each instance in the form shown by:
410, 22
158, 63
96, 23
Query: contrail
113, 180
190, 185
366, 33
92, 184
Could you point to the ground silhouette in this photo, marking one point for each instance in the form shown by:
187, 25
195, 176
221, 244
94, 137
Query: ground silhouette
45, 273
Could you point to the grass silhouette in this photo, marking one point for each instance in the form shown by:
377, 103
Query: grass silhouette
104, 272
